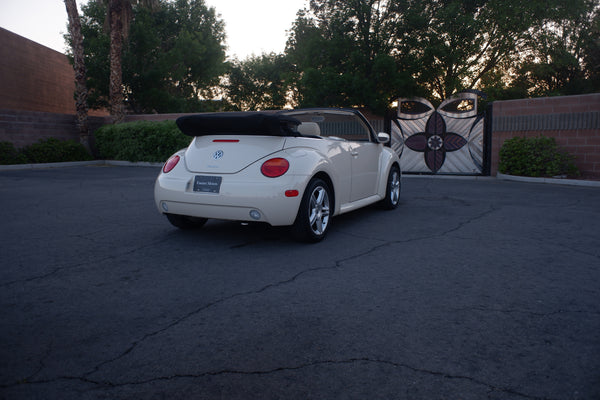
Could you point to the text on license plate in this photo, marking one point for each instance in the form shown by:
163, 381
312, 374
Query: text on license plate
207, 184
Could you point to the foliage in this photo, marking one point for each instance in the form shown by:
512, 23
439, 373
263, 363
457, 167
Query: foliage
10, 155
564, 56
361, 53
364, 51
343, 55
140, 141
259, 82
172, 59
54, 150
535, 157
96, 43
45, 151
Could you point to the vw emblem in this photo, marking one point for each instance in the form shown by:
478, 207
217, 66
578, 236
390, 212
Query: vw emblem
218, 154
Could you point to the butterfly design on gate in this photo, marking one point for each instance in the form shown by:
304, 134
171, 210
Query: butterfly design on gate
425, 137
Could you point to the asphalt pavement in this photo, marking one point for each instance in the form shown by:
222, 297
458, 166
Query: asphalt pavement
471, 289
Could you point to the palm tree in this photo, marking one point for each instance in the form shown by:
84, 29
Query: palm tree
119, 19
81, 92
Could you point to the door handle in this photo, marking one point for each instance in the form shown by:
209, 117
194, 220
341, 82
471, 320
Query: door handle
354, 153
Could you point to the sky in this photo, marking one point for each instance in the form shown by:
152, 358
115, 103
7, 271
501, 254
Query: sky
252, 26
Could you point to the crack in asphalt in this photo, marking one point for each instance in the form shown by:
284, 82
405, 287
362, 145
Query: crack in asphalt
42, 363
359, 360
577, 251
85, 377
58, 269
491, 209
337, 264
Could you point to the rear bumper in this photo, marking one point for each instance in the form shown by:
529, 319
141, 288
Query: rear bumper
239, 196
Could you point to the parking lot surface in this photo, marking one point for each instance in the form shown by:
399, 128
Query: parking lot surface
471, 289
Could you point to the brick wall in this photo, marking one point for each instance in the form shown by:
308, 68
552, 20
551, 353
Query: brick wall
574, 121
23, 128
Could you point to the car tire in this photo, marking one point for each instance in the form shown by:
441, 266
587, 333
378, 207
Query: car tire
315, 212
185, 222
392, 189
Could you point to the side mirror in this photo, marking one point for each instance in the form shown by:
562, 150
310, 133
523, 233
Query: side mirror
383, 137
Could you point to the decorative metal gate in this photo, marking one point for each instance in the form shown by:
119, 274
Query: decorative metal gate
446, 140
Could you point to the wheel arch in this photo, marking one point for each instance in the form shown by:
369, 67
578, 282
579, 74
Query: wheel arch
388, 163
325, 177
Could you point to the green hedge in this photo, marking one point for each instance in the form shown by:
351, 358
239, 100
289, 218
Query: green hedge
10, 155
45, 151
535, 157
140, 141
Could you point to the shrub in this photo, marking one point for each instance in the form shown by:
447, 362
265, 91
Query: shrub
535, 157
10, 155
54, 150
140, 141
44, 151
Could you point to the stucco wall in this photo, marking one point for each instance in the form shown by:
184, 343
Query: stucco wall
34, 77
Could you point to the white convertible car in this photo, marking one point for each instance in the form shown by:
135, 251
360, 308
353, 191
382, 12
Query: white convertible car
296, 167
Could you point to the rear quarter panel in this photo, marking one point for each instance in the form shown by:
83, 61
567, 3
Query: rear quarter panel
309, 156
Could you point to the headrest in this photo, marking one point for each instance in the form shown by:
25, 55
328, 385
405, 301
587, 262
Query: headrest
309, 129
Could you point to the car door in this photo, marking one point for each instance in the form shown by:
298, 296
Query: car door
365, 169
364, 155
353, 147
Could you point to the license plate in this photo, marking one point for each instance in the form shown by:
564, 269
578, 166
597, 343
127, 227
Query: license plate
207, 184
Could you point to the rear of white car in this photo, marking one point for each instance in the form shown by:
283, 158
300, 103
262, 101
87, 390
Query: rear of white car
283, 168
233, 178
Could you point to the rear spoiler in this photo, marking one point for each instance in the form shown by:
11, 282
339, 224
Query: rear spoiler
238, 123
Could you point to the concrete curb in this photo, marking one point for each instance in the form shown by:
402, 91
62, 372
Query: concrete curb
555, 181
459, 177
114, 163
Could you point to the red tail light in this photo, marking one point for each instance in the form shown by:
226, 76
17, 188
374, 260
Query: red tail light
170, 164
275, 167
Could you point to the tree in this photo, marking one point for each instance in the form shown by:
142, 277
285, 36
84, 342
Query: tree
458, 42
591, 51
81, 92
119, 19
96, 42
563, 57
343, 54
259, 82
119, 12
171, 61
175, 57
358, 52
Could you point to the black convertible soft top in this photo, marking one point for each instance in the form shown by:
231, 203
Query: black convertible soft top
238, 123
